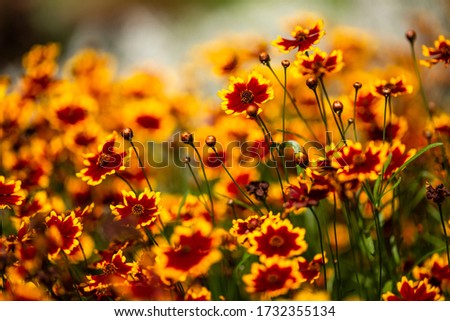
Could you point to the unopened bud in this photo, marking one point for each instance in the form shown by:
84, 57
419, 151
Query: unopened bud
357, 85
338, 107
210, 141
187, 138
411, 35
127, 133
285, 63
252, 111
264, 57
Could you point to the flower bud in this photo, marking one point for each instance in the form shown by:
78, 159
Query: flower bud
252, 111
187, 138
338, 107
311, 82
210, 141
285, 63
411, 35
386, 91
357, 85
127, 133
264, 57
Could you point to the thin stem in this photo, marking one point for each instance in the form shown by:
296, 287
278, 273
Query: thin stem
338, 274
126, 182
445, 233
82, 251
323, 115
202, 200
419, 79
380, 255
207, 183
235, 183
354, 115
71, 275
292, 101
284, 106
342, 126
321, 248
386, 99
141, 165
270, 143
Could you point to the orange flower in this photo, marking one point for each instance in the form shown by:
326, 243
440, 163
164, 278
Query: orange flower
318, 63
105, 162
399, 157
9, 193
194, 250
138, 211
62, 233
243, 228
440, 52
435, 268
274, 277
311, 270
197, 293
397, 86
303, 38
414, 291
241, 94
278, 238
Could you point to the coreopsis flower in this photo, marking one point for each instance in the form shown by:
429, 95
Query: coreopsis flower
192, 251
440, 52
436, 270
399, 157
278, 238
241, 228
414, 291
62, 233
395, 129
10, 193
306, 193
197, 293
352, 161
137, 211
303, 38
70, 109
318, 63
105, 162
311, 270
275, 277
240, 94
114, 271
396, 87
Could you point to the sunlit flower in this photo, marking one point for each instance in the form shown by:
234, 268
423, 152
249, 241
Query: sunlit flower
242, 228
62, 233
114, 271
137, 211
71, 109
398, 158
436, 270
275, 277
241, 94
105, 162
396, 86
303, 38
318, 63
194, 249
197, 293
440, 52
10, 193
414, 291
311, 270
278, 238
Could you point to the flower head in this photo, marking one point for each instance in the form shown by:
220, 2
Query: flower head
395, 87
138, 211
414, 291
278, 238
318, 63
436, 270
105, 162
303, 38
62, 233
440, 52
274, 277
241, 94
9, 193
243, 228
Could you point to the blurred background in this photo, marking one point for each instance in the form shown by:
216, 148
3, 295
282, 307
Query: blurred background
162, 32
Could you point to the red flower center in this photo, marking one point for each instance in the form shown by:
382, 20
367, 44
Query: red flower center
102, 160
109, 269
137, 209
272, 278
276, 241
359, 159
301, 35
247, 96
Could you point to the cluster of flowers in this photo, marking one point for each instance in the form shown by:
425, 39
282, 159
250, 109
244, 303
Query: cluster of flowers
342, 179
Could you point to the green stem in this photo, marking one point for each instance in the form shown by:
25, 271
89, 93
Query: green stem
202, 200
321, 248
141, 165
323, 115
354, 115
445, 232
386, 99
207, 183
380, 255
338, 274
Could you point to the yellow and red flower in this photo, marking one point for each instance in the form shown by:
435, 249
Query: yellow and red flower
440, 52
62, 233
396, 86
318, 63
114, 271
241, 228
399, 157
194, 249
197, 293
137, 211
435, 269
105, 162
279, 238
241, 94
303, 38
10, 193
311, 270
414, 291
275, 277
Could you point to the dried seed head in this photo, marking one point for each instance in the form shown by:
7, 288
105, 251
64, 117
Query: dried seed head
187, 138
411, 35
357, 85
285, 63
264, 58
311, 82
338, 107
127, 133
210, 141
252, 111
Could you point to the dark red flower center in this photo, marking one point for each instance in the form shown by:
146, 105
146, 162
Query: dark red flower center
247, 96
137, 209
276, 241
103, 160
71, 114
359, 159
109, 269
272, 278
301, 35
149, 122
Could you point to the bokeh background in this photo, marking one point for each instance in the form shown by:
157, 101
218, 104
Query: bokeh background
164, 32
